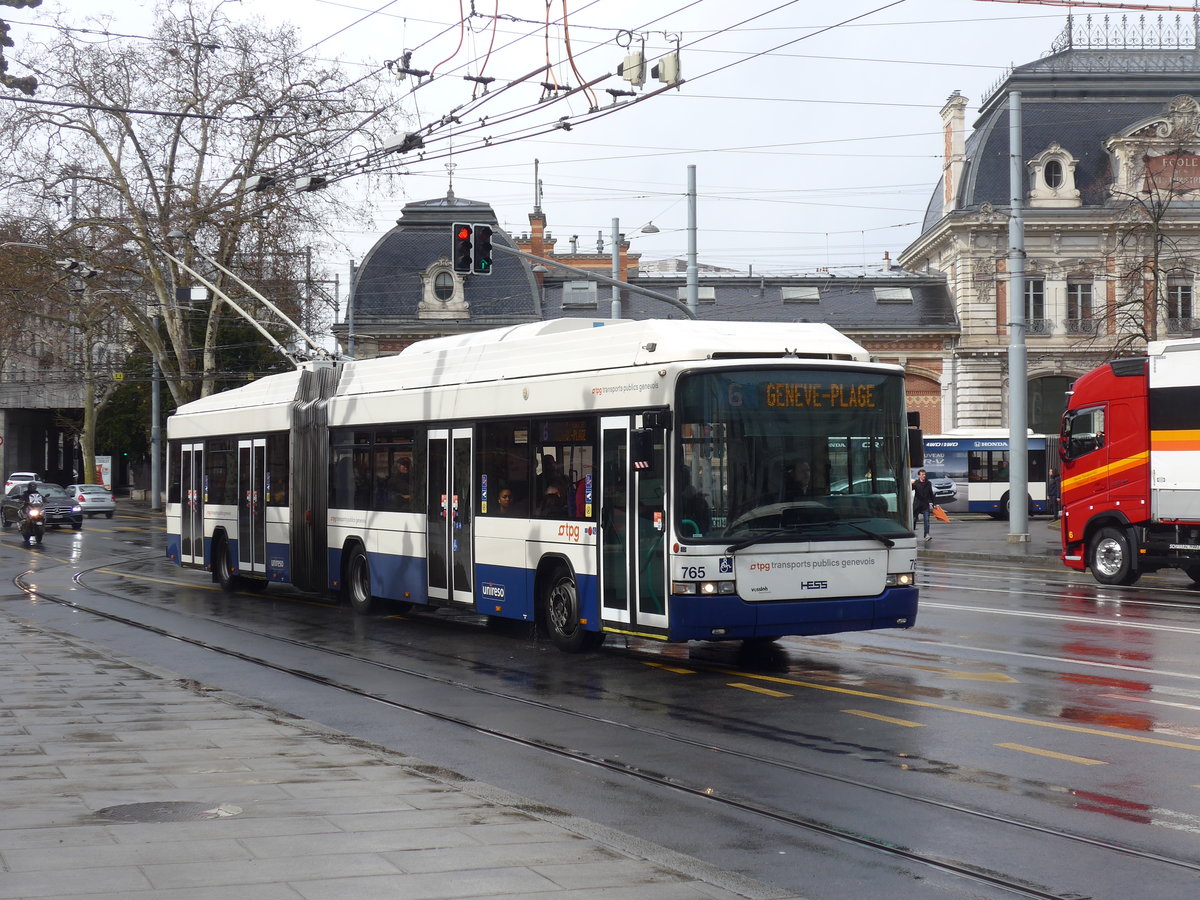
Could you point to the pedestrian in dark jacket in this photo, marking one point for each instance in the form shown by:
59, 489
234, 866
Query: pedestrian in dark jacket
922, 501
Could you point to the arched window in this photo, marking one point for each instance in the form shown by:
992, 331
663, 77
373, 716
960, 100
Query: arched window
443, 286
1053, 173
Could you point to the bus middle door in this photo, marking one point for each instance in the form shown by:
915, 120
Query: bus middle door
191, 502
449, 520
633, 528
252, 501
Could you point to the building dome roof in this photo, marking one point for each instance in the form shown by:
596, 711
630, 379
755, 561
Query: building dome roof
1077, 97
390, 282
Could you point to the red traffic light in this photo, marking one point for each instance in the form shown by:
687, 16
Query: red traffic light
464, 232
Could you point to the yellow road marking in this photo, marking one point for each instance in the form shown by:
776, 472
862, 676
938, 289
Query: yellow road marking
678, 670
172, 581
889, 719
759, 690
981, 676
945, 707
1066, 757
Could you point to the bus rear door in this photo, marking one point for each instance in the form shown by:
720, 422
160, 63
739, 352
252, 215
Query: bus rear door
632, 531
449, 523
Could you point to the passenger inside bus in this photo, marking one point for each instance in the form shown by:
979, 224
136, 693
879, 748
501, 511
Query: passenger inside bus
551, 477
554, 504
507, 503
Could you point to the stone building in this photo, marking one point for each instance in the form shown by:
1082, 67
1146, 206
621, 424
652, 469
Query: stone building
1111, 204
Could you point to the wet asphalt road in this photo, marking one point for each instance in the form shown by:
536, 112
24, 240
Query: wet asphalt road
1035, 732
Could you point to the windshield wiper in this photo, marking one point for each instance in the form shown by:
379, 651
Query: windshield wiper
887, 542
750, 541
806, 526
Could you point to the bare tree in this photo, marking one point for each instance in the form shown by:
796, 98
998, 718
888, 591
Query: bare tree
28, 84
1157, 251
130, 141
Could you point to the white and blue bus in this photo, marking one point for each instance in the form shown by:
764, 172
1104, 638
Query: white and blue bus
975, 463
673, 480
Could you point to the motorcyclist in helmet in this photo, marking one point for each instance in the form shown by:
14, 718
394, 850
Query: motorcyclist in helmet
31, 495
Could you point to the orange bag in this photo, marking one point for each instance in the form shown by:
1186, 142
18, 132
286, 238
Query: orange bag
940, 514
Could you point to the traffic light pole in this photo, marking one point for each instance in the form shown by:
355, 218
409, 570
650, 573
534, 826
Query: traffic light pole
602, 279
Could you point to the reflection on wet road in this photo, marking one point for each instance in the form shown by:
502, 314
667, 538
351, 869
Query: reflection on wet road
1033, 724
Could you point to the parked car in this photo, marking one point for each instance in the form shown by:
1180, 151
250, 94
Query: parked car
93, 499
944, 489
58, 507
21, 478
881, 487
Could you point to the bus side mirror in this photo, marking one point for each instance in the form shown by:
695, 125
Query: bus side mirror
916, 448
641, 449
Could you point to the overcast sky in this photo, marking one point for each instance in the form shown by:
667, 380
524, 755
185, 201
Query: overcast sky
814, 127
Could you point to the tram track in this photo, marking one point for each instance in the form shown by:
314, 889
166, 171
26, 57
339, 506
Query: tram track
662, 781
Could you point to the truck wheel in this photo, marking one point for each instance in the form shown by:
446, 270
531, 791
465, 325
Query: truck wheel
1193, 572
1111, 557
559, 615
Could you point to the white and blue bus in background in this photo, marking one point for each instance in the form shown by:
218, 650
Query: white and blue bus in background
969, 471
672, 480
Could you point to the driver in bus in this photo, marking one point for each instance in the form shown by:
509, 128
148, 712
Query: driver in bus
798, 480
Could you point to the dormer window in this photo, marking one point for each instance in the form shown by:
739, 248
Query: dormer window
442, 294
1052, 179
1052, 174
443, 285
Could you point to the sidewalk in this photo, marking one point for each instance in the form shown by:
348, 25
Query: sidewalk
975, 536
118, 780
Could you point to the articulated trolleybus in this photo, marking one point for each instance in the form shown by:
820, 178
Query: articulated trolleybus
672, 480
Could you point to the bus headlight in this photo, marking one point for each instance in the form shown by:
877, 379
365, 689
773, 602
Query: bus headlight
901, 579
703, 588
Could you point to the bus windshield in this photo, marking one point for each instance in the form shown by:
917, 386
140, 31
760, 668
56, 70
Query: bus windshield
807, 453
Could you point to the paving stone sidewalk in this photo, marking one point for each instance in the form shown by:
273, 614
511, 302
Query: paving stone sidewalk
118, 780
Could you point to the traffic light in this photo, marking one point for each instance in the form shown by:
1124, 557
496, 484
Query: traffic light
462, 251
482, 250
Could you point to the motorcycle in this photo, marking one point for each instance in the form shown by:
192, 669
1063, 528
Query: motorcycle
33, 526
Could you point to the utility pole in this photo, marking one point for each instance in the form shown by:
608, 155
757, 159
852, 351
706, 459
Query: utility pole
693, 269
1018, 390
616, 268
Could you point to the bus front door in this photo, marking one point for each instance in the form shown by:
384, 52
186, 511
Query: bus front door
191, 505
449, 520
632, 533
252, 501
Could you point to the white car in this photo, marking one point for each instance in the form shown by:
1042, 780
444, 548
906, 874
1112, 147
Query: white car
19, 478
93, 499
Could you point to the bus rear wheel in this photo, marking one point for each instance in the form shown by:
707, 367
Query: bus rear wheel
560, 615
223, 564
1110, 557
356, 585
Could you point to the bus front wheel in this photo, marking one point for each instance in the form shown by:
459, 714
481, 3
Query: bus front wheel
1110, 557
356, 586
560, 615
